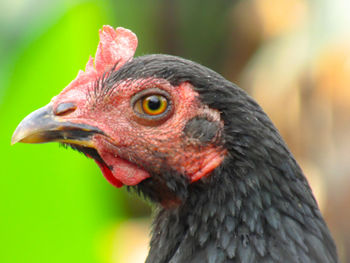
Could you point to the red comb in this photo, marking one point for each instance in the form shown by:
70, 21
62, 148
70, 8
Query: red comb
116, 46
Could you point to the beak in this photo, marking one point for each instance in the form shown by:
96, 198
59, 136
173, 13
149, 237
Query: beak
43, 126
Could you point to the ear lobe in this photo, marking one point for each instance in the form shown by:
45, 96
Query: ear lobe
115, 48
204, 130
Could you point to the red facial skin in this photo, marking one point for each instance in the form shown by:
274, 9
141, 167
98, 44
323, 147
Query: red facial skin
158, 144
133, 146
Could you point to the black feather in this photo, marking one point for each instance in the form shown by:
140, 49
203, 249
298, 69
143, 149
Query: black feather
256, 207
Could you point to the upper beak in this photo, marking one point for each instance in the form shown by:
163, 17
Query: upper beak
43, 126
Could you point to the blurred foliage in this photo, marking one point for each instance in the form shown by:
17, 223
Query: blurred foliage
54, 203
293, 56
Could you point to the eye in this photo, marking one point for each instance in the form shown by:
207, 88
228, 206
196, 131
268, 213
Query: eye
152, 104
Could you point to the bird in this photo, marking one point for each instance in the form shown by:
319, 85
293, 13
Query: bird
227, 187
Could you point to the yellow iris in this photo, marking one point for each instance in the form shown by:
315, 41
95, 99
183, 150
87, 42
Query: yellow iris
154, 104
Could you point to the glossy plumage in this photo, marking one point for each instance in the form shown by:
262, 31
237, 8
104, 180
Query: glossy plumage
256, 207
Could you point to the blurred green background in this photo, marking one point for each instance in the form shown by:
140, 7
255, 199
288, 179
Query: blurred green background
292, 56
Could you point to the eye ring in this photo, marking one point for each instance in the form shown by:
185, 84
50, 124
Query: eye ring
151, 105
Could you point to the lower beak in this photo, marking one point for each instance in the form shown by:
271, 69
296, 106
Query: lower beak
43, 126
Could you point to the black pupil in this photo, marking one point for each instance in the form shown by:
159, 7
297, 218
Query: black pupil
154, 103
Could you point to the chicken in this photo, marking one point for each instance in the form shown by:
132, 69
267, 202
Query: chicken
228, 188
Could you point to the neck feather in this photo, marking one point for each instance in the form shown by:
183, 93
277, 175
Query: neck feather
247, 212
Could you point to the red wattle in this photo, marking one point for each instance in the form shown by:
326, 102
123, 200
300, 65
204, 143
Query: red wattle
124, 171
107, 173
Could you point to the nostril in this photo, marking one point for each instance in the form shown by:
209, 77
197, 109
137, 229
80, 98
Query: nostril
65, 108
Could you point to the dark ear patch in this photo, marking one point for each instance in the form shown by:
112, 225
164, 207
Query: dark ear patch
202, 129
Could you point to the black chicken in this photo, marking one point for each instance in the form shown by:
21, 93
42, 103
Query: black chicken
183, 136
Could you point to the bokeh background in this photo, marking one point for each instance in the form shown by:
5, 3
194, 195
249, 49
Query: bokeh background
293, 56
